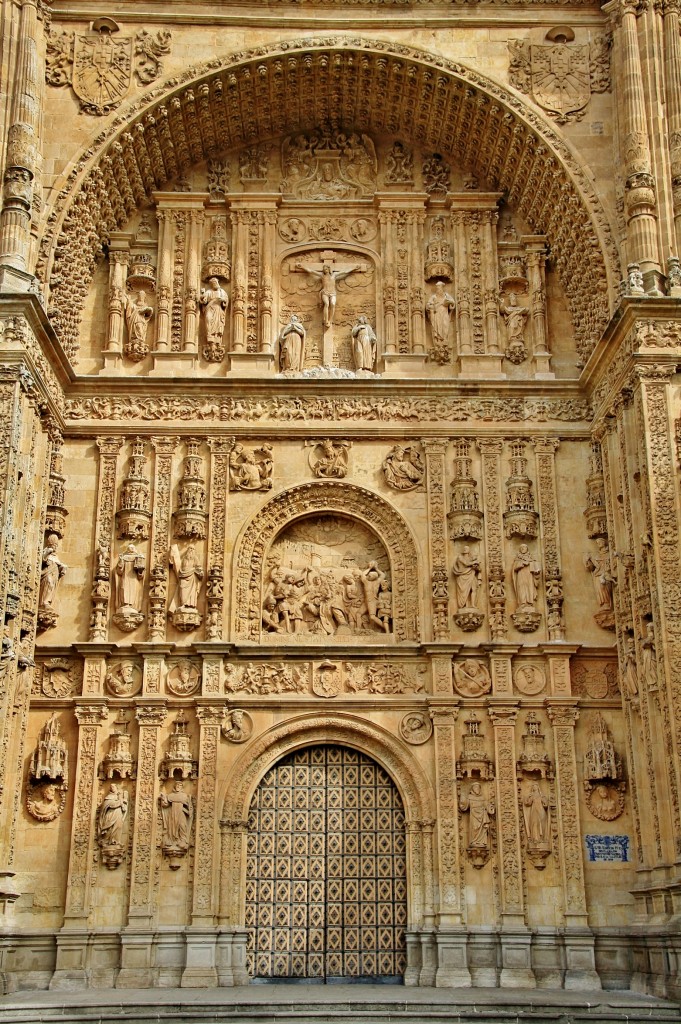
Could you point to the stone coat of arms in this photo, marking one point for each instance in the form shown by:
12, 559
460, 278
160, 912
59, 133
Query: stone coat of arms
560, 76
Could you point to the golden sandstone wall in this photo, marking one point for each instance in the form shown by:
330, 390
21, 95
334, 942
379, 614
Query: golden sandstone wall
339, 407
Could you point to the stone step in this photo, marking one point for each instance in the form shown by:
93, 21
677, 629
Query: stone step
314, 1005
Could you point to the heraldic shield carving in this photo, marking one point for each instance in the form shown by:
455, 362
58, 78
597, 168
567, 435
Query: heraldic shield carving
102, 68
561, 76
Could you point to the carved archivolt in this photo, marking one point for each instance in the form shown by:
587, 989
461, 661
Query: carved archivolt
337, 499
307, 730
385, 88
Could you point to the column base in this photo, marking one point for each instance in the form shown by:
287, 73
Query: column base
71, 967
113, 363
174, 364
137, 970
452, 960
482, 366
516, 959
200, 970
580, 960
251, 364
404, 364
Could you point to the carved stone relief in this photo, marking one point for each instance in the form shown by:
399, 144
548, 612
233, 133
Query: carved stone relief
213, 301
399, 165
327, 680
329, 459
178, 760
134, 503
266, 677
465, 517
529, 679
124, 679
183, 609
57, 677
471, 678
404, 468
561, 76
336, 581
416, 728
535, 771
190, 515
118, 762
479, 804
526, 574
520, 518
237, 726
250, 469
604, 782
328, 166
599, 565
183, 679
48, 773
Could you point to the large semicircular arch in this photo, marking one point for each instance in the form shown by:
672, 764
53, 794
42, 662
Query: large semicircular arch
332, 82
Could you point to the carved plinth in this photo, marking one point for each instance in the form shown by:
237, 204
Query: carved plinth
605, 619
251, 364
112, 855
408, 364
465, 524
47, 619
521, 523
190, 523
596, 522
526, 622
128, 618
469, 619
133, 523
481, 366
186, 619
478, 855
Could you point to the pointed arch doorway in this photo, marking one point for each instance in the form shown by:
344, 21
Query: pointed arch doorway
326, 888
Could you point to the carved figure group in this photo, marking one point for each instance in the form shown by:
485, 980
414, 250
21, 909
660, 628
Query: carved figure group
250, 469
334, 602
403, 468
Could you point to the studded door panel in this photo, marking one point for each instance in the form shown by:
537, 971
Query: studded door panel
326, 871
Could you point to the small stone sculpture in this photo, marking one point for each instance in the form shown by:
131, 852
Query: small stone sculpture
471, 678
467, 576
129, 574
177, 812
214, 301
183, 610
111, 818
403, 468
52, 571
481, 809
363, 345
292, 346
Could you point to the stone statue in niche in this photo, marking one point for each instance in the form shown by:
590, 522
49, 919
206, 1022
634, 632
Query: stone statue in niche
177, 813
329, 459
53, 570
124, 679
128, 592
598, 565
237, 727
515, 317
292, 346
327, 576
329, 278
183, 610
468, 581
525, 573
331, 165
250, 469
649, 658
439, 313
138, 313
471, 678
537, 824
214, 301
481, 809
630, 671
111, 817
403, 468
399, 164
363, 345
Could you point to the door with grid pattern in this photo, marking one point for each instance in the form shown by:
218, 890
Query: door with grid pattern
326, 893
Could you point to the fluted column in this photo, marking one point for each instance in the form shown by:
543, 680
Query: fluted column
639, 200
672, 78
164, 278
23, 141
536, 273
118, 265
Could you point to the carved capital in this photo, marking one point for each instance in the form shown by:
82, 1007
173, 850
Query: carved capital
562, 713
234, 825
659, 373
546, 445
109, 445
435, 445
211, 714
490, 445
151, 714
165, 445
91, 714
443, 716
502, 714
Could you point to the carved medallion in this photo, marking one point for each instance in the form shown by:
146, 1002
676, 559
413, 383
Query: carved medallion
124, 679
416, 728
471, 678
237, 727
58, 677
183, 679
529, 679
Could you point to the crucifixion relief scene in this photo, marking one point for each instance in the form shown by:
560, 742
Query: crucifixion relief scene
340, 562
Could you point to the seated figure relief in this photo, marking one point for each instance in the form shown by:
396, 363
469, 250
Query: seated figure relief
327, 576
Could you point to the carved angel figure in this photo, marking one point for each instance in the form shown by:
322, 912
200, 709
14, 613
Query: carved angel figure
403, 468
250, 469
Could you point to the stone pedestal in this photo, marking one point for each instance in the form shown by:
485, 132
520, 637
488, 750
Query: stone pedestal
516, 957
482, 366
452, 969
200, 968
407, 364
174, 364
251, 364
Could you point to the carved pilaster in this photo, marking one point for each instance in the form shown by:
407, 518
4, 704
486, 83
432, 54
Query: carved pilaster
545, 451
192, 281
160, 536
109, 448
435, 449
150, 718
579, 949
491, 449
119, 258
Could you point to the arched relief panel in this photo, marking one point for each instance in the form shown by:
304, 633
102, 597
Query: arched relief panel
325, 499
371, 85
307, 730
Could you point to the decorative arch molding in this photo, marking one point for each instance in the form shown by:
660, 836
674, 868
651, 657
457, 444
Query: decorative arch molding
297, 85
344, 729
338, 499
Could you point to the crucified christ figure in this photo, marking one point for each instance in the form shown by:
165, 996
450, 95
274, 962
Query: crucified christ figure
327, 292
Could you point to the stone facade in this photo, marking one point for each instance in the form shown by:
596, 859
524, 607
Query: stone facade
340, 441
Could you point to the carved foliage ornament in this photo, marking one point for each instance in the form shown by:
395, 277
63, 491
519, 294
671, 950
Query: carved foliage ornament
100, 66
560, 77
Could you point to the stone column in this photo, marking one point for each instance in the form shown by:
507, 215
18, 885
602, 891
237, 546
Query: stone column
435, 449
672, 79
401, 216
253, 245
536, 276
200, 967
164, 278
414, 973
192, 281
580, 972
269, 241
231, 949
137, 948
545, 449
119, 258
515, 937
386, 220
22, 160
491, 449
73, 940
490, 218
463, 292
639, 199
452, 969
215, 585
417, 297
